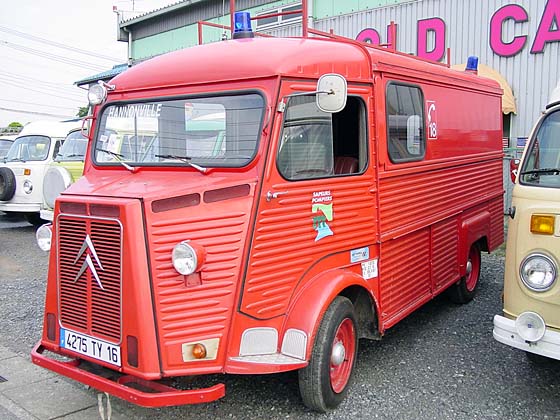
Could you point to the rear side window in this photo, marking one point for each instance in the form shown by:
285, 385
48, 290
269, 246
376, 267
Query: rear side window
406, 138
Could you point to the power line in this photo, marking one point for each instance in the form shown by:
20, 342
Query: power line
36, 104
27, 78
21, 111
43, 89
65, 60
38, 91
57, 44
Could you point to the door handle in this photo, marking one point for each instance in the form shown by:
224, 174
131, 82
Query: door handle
270, 195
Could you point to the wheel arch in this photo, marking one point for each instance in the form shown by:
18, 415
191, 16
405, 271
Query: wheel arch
309, 305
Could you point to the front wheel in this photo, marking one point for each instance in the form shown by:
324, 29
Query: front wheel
465, 289
324, 383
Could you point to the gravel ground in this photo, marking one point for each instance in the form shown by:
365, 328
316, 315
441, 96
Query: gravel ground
439, 363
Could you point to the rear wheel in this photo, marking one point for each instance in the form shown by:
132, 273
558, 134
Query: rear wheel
324, 383
465, 290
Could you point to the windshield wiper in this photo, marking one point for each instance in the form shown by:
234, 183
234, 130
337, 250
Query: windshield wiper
119, 159
553, 171
185, 159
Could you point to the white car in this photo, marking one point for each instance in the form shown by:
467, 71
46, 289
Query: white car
25, 165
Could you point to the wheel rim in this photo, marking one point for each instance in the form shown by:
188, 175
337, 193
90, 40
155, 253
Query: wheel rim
473, 268
342, 355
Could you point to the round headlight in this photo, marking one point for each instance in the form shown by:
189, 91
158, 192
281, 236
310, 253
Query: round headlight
97, 94
27, 186
187, 258
538, 272
44, 237
56, 180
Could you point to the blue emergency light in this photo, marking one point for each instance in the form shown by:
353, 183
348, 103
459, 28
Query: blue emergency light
242, 25
472, 63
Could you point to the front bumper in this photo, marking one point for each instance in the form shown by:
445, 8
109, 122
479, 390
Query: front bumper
158, 395
9, 207
506, 333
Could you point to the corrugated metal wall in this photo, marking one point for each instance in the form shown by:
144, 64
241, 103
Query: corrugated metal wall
531, 76
190, 14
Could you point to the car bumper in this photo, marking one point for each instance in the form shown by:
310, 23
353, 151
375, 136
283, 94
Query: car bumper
158, 395
505, 332
47, 215
20, 208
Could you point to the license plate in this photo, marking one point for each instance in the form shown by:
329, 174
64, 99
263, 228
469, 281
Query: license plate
89, 346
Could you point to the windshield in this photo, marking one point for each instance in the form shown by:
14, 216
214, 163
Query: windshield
29, 148
4, 147
73, 148
206, 132
542, 163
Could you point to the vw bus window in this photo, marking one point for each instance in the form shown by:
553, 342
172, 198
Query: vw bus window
406, 140
207, 131
73, 148
542, 164
29, 148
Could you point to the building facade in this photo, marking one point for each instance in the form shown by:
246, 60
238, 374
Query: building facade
519, 40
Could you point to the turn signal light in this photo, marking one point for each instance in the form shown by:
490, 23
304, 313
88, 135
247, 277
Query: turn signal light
51, 327
199, 351
27, 171
542, 224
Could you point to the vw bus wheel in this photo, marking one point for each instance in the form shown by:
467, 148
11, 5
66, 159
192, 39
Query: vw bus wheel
324, 383
465, 290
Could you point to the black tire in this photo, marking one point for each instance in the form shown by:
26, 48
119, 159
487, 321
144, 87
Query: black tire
7, 184
34, 219
465, 289
324, 383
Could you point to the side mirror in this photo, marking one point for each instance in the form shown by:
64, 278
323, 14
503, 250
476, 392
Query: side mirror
513, 168
331, 93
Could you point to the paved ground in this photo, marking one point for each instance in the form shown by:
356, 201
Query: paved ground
440, 363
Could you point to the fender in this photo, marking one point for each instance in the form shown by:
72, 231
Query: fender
472, 229
310, 303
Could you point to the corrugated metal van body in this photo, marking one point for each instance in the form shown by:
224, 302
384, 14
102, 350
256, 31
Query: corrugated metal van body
423, 204
467, 32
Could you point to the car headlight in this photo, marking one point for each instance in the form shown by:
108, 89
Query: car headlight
187, 257
97, 94
27, 186
44, 237
538, 272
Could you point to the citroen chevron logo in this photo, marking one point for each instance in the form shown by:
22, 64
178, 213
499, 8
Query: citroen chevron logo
88, 244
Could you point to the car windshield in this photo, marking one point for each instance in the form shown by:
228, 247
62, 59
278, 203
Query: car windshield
210, 131
29, 148
542, 162
73, 148
4, 147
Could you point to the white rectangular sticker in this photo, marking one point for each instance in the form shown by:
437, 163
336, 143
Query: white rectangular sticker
89, 346
357, 255
369, 269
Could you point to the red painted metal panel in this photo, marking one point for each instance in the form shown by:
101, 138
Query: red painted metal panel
445, 253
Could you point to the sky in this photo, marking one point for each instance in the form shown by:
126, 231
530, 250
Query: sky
46, 46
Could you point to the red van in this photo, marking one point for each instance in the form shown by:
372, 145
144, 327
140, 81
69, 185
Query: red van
276, 200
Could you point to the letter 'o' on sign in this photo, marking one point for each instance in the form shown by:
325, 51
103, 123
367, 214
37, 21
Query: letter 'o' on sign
497, 43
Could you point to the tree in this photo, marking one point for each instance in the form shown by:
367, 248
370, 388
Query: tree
15, 124
82, 111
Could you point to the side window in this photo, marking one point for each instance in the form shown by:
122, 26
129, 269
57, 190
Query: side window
316, 144
406, 139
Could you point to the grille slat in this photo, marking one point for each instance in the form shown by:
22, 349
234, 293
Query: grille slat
84, 306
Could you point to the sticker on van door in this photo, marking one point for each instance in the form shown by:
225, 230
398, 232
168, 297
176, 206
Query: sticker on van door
324, 213
432, 120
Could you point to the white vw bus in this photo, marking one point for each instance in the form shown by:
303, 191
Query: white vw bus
23, 168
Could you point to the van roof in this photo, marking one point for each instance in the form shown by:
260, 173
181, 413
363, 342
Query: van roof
268, 57
58, 129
